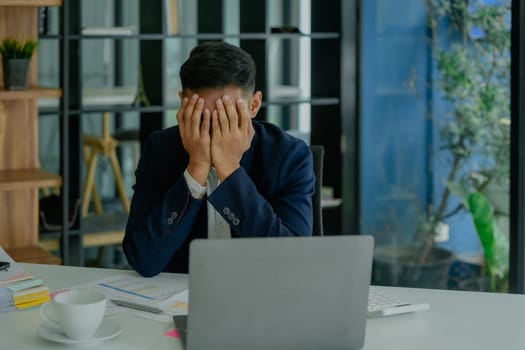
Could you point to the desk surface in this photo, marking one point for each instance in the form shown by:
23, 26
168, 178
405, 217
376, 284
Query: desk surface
456, 320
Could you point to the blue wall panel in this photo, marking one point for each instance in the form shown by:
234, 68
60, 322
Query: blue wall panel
402, 166
394, 126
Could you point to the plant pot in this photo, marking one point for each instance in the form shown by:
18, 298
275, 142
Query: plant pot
15, 73
466, 273
398, 266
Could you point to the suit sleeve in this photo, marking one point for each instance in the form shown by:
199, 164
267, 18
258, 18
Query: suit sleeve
289, 210
159, 221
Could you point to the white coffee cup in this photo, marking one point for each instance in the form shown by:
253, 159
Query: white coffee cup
79, 312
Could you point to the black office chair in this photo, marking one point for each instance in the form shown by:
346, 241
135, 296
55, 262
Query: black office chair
318, 157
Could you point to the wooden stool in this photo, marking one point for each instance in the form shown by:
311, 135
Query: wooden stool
105, 145
130, 138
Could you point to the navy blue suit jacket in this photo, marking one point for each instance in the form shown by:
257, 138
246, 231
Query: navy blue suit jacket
269, 195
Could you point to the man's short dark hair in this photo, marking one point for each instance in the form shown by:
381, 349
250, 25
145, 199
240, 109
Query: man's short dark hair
217, 65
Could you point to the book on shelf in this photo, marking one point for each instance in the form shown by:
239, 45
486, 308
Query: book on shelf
104, 96
129, 30
19, 289
285, 92
172, 19
100, 96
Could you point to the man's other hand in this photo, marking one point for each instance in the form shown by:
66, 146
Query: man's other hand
232, 134
194, 127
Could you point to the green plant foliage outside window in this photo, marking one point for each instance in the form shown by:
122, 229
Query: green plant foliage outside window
471, 48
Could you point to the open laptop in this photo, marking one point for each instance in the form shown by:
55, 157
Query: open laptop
278, 293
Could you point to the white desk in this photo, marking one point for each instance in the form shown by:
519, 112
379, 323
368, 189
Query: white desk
456, 320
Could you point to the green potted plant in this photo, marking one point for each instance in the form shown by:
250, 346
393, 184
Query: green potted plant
495, 270
16, 56
474, 78
471, 48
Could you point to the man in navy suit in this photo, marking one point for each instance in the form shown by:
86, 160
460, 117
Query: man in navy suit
218, 174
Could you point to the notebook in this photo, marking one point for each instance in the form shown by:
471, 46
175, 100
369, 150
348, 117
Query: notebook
279, 293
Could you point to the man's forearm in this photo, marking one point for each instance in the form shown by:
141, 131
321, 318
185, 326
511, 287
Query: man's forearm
153, 238
251, 215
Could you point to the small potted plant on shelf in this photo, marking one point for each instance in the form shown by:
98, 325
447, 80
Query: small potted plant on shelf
16, 56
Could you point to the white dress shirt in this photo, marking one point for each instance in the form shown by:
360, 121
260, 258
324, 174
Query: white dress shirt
218, 228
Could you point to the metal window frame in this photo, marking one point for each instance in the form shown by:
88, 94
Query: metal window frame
517, 174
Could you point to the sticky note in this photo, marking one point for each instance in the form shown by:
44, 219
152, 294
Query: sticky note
173, 333
181, 305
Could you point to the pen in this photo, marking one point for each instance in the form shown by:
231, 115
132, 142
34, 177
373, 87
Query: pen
137, 306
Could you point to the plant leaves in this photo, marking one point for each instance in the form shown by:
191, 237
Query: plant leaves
495, 244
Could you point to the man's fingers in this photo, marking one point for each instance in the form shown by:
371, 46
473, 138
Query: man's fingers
188, 111
196, 117
231, 112
215, 127
224, 123
181, 111
205, 125
245, 118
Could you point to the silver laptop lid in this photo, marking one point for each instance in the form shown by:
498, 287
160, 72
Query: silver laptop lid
279, 293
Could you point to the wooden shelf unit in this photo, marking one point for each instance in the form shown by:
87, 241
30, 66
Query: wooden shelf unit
31, 3
30, 92
12, 180
36, 255
20, 173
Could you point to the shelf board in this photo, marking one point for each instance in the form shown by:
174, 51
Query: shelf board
27, 178
110, 109
200, 36
34, 255
327, 203
104, 224
318, 35
30, 92
31, 3
314, 101
96, 231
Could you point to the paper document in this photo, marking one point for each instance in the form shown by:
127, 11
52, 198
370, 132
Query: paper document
176, 305
147, 291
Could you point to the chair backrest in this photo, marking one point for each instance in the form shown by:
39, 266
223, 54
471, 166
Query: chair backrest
318, 157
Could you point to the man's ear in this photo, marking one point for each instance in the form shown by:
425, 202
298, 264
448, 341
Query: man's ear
181, 95
255, 103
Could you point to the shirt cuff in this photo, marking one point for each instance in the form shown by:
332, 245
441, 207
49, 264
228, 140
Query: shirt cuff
196, 189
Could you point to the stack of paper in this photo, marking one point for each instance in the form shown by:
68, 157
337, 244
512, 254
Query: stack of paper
29, 293
18, 288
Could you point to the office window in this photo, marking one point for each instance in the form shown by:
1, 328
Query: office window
435, 141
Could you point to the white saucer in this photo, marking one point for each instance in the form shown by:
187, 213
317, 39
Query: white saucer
107, 330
